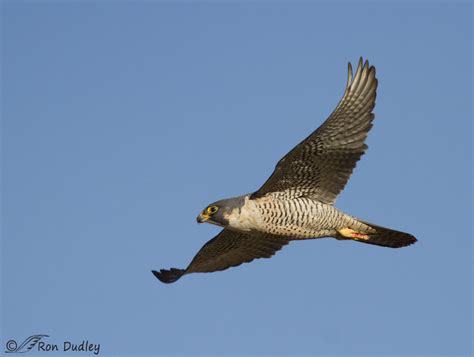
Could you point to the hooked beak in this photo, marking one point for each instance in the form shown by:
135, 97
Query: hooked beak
202, 218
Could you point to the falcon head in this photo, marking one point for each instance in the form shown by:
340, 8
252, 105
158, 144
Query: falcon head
219, 212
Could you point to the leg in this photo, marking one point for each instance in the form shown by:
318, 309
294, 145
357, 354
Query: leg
347, 233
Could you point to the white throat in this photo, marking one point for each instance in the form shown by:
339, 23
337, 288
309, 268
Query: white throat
246, 218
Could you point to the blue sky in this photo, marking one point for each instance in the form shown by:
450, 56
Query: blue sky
121, 121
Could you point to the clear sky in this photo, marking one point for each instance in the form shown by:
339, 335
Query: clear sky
122, 120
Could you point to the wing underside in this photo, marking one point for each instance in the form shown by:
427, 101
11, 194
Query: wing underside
320, 166
228, 249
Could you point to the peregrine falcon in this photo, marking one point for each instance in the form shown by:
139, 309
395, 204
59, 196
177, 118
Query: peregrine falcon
297, 200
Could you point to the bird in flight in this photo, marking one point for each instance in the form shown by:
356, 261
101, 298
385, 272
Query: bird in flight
297, 200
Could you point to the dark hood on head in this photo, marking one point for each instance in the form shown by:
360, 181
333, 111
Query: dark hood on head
225, 208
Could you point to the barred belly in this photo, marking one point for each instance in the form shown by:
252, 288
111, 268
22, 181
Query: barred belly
300, 218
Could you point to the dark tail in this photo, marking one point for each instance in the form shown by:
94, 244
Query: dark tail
169, 276
386, 237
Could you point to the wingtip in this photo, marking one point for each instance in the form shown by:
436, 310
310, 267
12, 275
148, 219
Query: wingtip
349, 74
364, 63
362, 70
409, 240
360, 67
413, 240
168, 276
372, 68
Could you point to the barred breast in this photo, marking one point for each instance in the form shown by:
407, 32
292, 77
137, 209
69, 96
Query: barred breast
300, 218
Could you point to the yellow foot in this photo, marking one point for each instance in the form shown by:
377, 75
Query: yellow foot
348, 233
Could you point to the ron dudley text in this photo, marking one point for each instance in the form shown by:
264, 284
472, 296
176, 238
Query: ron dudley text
67, 346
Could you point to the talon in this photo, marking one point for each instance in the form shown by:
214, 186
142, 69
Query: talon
351, 234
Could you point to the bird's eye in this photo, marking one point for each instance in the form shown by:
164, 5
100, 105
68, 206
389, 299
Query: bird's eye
212, 209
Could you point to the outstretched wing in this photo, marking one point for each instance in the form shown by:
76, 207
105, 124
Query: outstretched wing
320, 166
228, 249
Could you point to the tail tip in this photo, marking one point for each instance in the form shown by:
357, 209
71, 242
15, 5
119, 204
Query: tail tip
168, 276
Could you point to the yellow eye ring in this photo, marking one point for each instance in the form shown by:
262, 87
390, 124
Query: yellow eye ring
212, 209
